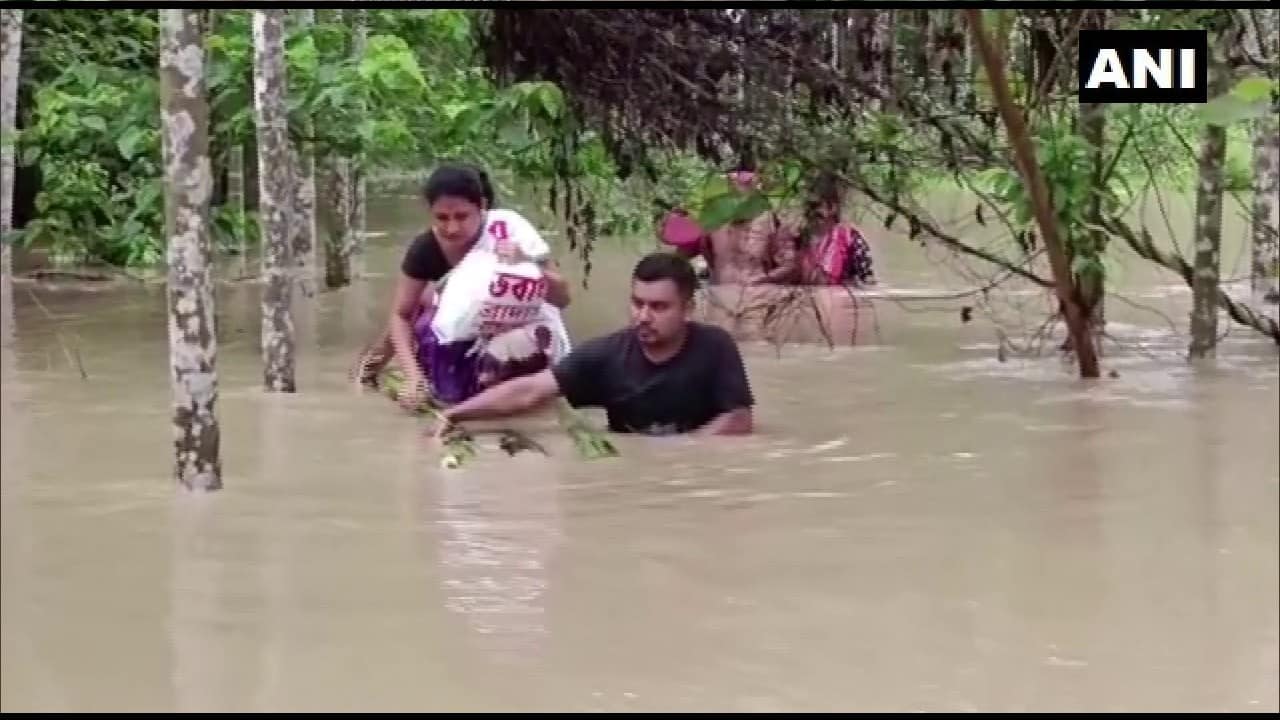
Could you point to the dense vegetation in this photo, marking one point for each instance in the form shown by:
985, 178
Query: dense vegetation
619, 113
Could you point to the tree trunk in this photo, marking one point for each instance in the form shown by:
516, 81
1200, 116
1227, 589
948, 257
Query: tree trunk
1068, 295
237, 195
345, 249
1093, 122
303, 163
10, 52
922, 51
275, 202
870, 52
360, 173
887, 39
1208, 230
1264, 221
249, 151
339, 209
1264, 230
193, 344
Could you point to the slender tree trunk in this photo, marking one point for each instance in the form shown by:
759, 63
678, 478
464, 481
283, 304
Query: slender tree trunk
193, 343
344, 251
275, 199
1264, 230
870, 53
1264, 222
1068, 295
251, 165
303, 163
887, 39
236, 192
1093, 123
1208, 230
361, 175
922, 52
10, 53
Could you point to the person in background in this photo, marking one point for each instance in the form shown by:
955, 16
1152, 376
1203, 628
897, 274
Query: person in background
833, 250
664, 374
743, 252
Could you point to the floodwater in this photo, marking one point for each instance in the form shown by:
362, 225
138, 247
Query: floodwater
924, 522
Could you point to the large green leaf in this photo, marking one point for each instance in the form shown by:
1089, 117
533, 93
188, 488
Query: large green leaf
1253, 89
751, 206
130, 142
1230, 109
718, 211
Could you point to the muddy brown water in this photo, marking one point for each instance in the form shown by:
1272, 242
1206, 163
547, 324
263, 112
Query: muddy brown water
917, 526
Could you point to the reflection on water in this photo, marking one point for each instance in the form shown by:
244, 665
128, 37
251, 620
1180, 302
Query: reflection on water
498, 538
920, 525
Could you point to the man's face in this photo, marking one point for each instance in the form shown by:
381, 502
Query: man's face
658, 313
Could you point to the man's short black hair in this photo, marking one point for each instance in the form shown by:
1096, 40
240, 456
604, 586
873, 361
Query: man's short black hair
667, 266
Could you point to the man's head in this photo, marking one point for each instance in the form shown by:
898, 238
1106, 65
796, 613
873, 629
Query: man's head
826, 197
662, 287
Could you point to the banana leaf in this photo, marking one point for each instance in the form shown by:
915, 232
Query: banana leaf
590, 443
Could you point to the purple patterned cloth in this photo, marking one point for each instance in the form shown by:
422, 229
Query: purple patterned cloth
452, 372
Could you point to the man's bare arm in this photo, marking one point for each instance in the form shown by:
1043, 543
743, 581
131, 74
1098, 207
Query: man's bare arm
739, 421
505, 399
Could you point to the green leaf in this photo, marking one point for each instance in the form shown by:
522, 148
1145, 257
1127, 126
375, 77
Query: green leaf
302, 55
719, 210
94, 122
130, 142
514, 132
1229, 109
1253, 89
752, 206
30, 155
552, 100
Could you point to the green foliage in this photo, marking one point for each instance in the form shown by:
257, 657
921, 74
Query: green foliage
96, 140
1249, 99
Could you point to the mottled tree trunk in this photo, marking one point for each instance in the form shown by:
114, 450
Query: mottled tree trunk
922, 52
275, 183
193, 345
10, 52
344, 249
1263, 41
303, 163
1264, 225
870, 52
1208, 228
949, 43
237, 194
338, 207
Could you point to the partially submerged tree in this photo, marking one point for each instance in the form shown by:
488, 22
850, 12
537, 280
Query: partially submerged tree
819, 95
193, 344
303, 166
1263, 44
10, 52
276, 194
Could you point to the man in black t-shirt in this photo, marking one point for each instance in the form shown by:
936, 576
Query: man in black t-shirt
665, 374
